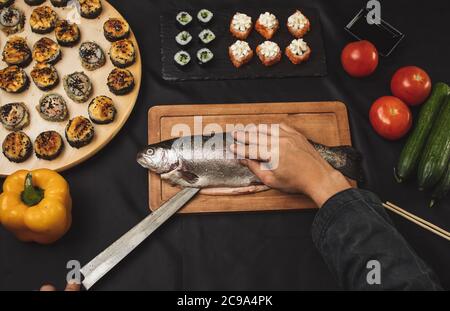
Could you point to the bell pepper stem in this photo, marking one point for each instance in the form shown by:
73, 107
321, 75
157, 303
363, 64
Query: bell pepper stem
31, 195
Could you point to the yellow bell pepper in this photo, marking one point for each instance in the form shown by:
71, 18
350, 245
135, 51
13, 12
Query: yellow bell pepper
36, 206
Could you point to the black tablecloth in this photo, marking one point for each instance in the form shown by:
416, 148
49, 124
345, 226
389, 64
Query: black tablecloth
257, 251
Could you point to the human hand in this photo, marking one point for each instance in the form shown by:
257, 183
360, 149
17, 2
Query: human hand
70, 287
299, 169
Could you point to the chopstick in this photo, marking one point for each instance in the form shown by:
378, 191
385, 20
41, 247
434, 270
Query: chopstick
417, 220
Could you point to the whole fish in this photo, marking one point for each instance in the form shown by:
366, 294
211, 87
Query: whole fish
207, 162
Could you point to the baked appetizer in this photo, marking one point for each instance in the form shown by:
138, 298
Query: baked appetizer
17, 52
182, 59
79, 132
43, 20
298, 51
17, 147
241, 26
240, 53
59, 3
90, 8
267, 25
298, 24
5, 3
204, 56
206, 36
13, 79
34, 2
78, 86
53, 108
183, 39
67, 34
92, 56
48, 145
120, 81
14, 116
12, 20
122, 53
46, 51
269, 53
205, 16
116, 29
184, 19
45, 76
101, 110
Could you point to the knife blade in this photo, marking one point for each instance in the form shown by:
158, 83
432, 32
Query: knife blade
110, 257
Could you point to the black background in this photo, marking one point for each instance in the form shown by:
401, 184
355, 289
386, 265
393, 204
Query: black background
256, 251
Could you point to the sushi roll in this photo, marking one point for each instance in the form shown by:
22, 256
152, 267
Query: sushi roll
43, 20
34, 2
17, 52
17, 147
116, 29
12, 20
92, 56
298, 24
78, 87
48, 145
240, 53
183, 39
269, 53
79, 132
6, 3
101, 110
184, 19
267, 25
67, 34
206, 36
241, 26
182, 59
90, 9
120, 81
52, 107
204, 56
205, 16
45, 76
298, 51
122, 53
46, 51
14, 116
13, 79
59, 3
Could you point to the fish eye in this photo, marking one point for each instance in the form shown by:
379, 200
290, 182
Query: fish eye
150, 152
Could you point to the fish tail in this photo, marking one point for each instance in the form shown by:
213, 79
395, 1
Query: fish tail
351, 166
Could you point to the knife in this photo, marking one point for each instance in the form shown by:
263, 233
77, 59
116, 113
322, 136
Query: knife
110, 257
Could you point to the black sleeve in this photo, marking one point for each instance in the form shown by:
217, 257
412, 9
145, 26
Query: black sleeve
353, 230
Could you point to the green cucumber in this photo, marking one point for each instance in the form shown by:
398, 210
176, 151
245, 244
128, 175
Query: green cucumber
442, 189
434, 161
410, 156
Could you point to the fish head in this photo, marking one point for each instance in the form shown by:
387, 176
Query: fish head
158, 159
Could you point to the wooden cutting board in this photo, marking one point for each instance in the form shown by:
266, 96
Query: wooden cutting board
323, 122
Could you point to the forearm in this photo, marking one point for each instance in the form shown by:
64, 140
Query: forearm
352, 229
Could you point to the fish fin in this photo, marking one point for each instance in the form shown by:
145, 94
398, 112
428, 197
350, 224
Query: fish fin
353, 163
189, 177
234, 191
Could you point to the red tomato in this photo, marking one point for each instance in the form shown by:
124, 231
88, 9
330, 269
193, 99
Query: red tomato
360, 58
411, 84
390, 117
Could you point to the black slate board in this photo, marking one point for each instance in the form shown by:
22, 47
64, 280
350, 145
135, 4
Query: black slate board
221, 67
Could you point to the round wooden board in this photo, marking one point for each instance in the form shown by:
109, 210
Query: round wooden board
91, 30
